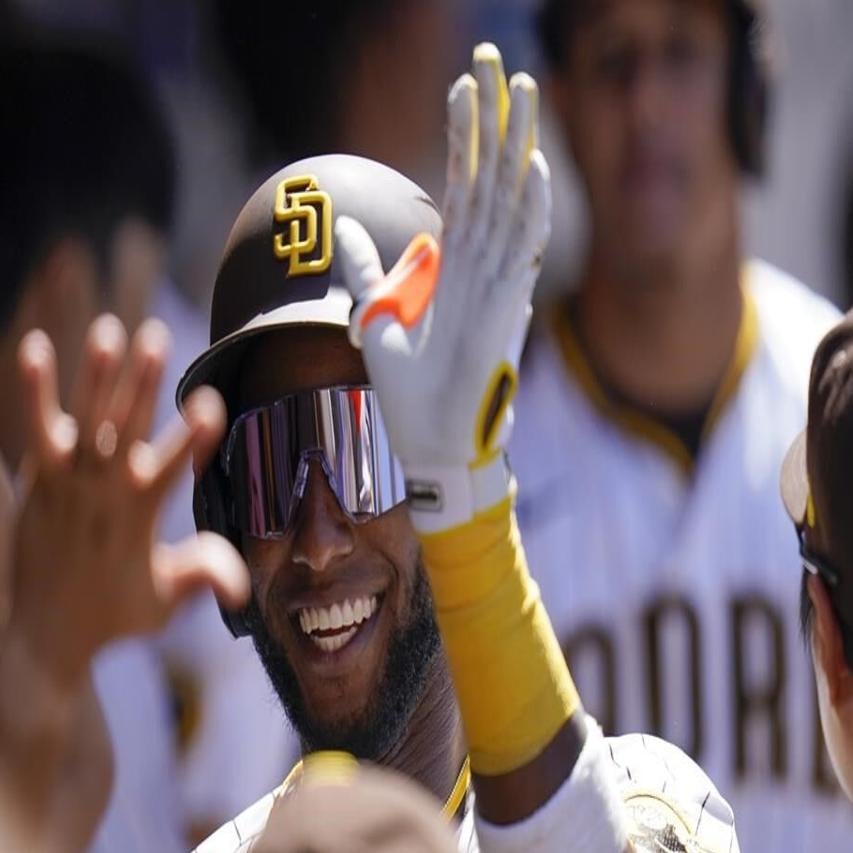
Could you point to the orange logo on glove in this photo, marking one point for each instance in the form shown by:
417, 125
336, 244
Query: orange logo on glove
409, 286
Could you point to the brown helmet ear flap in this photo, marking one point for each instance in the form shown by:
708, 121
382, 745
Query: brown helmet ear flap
210, 510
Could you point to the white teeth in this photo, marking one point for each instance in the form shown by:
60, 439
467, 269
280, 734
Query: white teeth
345, 617
333, 644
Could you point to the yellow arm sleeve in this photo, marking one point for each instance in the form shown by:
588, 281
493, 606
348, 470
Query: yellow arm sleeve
514, 688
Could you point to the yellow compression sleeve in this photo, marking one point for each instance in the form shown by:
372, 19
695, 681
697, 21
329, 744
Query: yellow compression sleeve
514, 688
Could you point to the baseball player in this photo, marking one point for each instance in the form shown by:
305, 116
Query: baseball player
657, 404
816, 493
411, 634
87, 199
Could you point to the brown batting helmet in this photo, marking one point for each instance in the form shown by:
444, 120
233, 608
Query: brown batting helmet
279, 271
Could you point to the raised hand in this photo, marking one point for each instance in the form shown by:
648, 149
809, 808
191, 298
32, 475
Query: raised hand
87, 566
442, 332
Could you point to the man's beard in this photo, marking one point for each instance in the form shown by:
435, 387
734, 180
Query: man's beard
412, 650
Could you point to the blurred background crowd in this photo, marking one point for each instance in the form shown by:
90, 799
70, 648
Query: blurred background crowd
240, 88
225, 119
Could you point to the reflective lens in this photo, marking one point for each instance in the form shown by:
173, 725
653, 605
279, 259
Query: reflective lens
269, 449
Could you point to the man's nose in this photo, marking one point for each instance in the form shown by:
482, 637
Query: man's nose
645, 95
322, 532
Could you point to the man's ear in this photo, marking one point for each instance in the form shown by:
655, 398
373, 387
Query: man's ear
827, 644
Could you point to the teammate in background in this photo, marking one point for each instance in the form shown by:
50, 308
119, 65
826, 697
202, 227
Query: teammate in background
388, 627
657, 403
87, 178
816, 491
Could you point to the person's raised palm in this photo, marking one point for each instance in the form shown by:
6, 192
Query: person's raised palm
87, 564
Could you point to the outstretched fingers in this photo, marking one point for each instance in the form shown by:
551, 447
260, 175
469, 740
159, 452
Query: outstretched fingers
532, 227
53, 433
136, 396
156, 467
378, 301
513, 167
198, 562
362, 267
462, 141
103, 355
362, 271
492, 116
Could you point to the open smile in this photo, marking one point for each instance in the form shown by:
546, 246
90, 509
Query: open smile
333, 627
334, 634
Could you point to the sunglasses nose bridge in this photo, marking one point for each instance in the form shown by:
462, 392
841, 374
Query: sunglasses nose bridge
313, 471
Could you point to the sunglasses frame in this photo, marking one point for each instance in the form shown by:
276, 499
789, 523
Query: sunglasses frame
385, 471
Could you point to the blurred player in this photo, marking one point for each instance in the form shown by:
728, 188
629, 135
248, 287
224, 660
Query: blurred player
657, 406
410, 634
85, 209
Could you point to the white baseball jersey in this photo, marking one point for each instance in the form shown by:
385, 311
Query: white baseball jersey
673, 587
636, 787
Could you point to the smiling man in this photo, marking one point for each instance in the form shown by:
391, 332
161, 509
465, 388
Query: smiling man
290, 373
392, 606
347, 634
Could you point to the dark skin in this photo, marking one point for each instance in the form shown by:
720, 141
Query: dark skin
642, 99
326, 557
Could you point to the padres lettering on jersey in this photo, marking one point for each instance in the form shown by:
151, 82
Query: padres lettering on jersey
674, 590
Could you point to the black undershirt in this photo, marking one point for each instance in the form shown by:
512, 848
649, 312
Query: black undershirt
687, 426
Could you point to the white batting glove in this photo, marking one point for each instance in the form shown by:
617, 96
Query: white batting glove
442, 332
